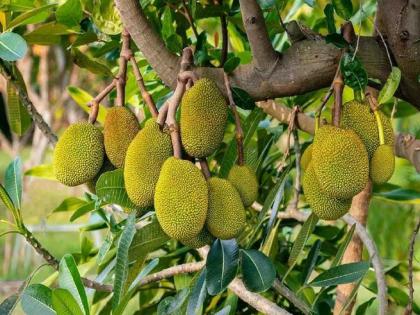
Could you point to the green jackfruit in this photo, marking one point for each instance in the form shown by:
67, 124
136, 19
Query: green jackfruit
181, 199
382, 164
358, 117
306, 158
143, 162
120, 128
245, 181
79, 154
203, 118
226, 215
325, 207
202, 239
340, 161
106, 167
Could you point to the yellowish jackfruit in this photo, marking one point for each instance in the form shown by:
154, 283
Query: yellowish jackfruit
120, 128
306, 157
181, 199
203, 118
226, 215
340, 161
382, 164
245, 181
202, 239
325, 207
358, 117
79, 154
106, 167
143, 162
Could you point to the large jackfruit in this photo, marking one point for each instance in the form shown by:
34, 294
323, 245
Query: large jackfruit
325, 207
202, 239
120, 128
245, 181
226, 214
181, 199
382, 164
340, 161
143, 162
107, 166
203, 118
306, 158
358, 117
79, 154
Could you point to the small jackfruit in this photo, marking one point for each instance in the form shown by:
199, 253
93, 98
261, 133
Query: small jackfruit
143, 162
325, 207
79, 154
106, 167
382, 164
202, 239
226, 214
120, 128
181, 199
203, 118
340, 161
358, 117
306, 157
245, 181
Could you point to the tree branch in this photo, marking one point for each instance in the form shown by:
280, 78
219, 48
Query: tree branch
284, 291
409, 308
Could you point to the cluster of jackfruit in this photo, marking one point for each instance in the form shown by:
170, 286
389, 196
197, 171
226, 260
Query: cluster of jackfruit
340, 160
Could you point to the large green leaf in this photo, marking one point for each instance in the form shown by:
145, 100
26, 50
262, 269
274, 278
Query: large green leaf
400, 195
69, 13
94, 66
13, 182
43, 171
311, 261
258, 271
33, 16
106, 17
9, 304
64, 303
173, 305
4, 196
391, 85
12, 46
70, 204
88, 207
329, 16
36, 299
69, 279
346, 273
82, 98
198, 295
242, 98
343, 246
19, 119
222, 265
344, 8
49, 33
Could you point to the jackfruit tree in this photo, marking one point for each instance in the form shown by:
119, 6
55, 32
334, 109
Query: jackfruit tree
210, 157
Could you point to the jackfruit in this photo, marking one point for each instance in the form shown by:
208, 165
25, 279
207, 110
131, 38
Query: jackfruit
306, 157
245, 181
358, 117
181, 199
325, 207
340, 161
79, 154
106, 167
382, 164
226, 214
143, 162
120, 128
203, 118
202, 239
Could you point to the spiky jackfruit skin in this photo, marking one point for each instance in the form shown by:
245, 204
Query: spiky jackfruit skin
244, 179
202, 239
143, 162
325, 207
358, 117
120, 128
203, 118
226, 215
107, 166
79, 154
181, 199
306, 157
340, 161
382, 164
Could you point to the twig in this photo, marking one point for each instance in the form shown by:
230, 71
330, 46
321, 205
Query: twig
284, 291
189, 18
409, 308
326, 97
205, 168
225, 40
239, 134
295, 200
125, 55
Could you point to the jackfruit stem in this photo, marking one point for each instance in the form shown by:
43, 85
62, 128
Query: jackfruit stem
324, 101
121, 78
373, 103
94, 104
338, 86
205, 168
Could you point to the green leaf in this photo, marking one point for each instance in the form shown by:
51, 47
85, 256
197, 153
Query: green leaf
83, 61
346, 273
82, 98
258, 271
329, 16
344, 8
69, 279
106, 17
198, 295
13, 182
362, 308
222, 265
311, 261
336, 39
64, 303
224, 311
354, 73
173, 305
167, 23
9, 304
51, 28
84, 39
242, 99
33, 16
86, 208
391, 85
231, 64
69, 13
343, 246
121, 268
110, 188
37, 299
6, 199
18, 117
70, 204
43, 171
400, 195
12, 46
